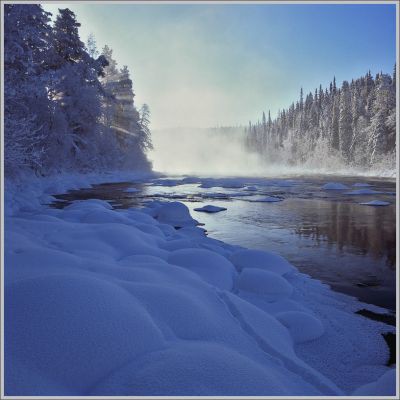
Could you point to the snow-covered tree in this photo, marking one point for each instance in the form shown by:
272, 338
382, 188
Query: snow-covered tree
56, 92
144, 113
345, 120
91, 46
379, 139
26, 108
77, 90
355, 124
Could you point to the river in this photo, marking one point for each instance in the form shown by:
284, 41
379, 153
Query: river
324, 233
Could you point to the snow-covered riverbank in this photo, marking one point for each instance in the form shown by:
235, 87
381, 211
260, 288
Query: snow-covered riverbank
106, 302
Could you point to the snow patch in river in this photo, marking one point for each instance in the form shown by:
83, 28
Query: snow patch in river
334, 186
210, 209
376, 203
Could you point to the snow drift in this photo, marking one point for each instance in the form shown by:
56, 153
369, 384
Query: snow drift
107, 302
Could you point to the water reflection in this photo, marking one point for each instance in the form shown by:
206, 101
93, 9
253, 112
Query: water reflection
326, 234
369, 230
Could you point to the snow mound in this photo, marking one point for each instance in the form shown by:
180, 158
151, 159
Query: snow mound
72, 330
363, 192
213, 268
150, 229
334, 186
259, 281
199, 369
89, 204
384, 386
100, 216
177, 244
107, 302
376, 203
261, 259
175, 214
262, 324
210, 209
140, 217
302, 326
140, 258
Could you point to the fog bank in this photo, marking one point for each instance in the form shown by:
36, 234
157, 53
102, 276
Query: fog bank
222, 152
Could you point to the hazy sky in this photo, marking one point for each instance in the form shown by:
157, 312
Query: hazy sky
203, 65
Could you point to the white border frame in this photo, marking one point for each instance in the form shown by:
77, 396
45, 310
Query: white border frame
210, 2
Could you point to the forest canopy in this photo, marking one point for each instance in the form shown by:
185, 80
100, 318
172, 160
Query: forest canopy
354, 125
66, 106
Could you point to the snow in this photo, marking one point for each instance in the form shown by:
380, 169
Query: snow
268, 261
334, 186
119, 302
258, 281
363, 192
384, 386
63, 313
215, 370
302, 326
210, 209
213, 268
174, 213
376, 203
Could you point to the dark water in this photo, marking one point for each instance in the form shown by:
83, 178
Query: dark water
325, 234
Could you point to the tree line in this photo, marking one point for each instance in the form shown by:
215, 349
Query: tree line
354, 124
66, 106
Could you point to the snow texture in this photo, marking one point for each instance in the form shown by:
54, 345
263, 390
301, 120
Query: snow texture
268, 261
213, 268
302, 326
119, 302
272, 285
384, 386
176, 214
376, 203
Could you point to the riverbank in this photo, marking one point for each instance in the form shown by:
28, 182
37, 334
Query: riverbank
326, 233
120, 302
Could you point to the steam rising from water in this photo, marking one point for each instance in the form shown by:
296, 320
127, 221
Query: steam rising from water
222, 152
203, 152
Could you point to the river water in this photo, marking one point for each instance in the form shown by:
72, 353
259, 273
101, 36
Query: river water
324, 233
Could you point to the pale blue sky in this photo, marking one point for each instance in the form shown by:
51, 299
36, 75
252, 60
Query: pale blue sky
203, 65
